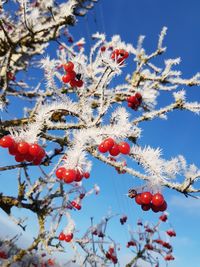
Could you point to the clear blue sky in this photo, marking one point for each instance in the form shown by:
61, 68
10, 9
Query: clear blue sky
178, 135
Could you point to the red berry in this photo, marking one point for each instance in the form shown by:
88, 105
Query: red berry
37, 161
130, 104
86, 175
3, 255
41, 154
68, 237
120, 60
71, 75
149, 246
103, 49
79, 83
77, 206
158, 200
138, 199
20, 157
126, 54
146, 197
73, 83
66, 78
6, 141
169, 257
146, 207
111, 250
124, 148
69, 66
171, 233
79, 176
115, 54
34, 150
114, 151
155, 208
61, 237
82, 195
139, 97
59, 172
69, 175
13, 149
131, 99
102, 148
108, 143
163, 217
29, 157
163, 207
73, 203
23, 147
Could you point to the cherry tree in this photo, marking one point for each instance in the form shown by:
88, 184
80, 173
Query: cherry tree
67, 120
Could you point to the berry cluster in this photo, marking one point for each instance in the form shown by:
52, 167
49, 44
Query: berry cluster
148, 201
109, 145
23, 151
110, 255
134, 101
123, 220
64, 237
71, 77
70, 175
119, 55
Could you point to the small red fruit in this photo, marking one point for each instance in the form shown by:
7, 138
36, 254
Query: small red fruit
20, 157
102, 148
155, 208
23, 148
29, 157
163, 217
69, 175
103, 49
41, 154
68, 237
37, 161
163, 207
66, 78
79, 176
3, 255
69, 66
158, 200
79, 83
13, 149
171, 232
124, 148
34, 150
59, 172
114, 151
146, 197
146, 207
61, 236
138, 199
73, 83
86, 175
6, 141
108, 143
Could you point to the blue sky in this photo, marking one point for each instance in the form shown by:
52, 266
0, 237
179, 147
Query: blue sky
178, 135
